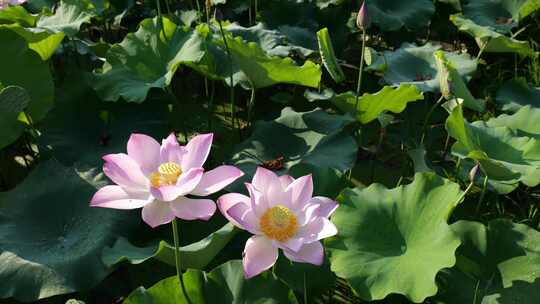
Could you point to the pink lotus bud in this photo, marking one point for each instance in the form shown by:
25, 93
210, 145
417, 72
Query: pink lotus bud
472, 173
362, 19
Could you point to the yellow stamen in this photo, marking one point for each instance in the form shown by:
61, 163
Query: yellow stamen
279, 223
167, 174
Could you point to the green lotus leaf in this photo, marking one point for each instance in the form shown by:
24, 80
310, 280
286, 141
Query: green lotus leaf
454, 85
517, 93
50, 239
391, 15
504, 155
24, 68
169, 291
69, 17
328, 56
107, 125
497, 264
501, 15
395, 240
489, 40
251, 66
146, 59
315, 137
224, 284
370, 106
42, 41
13, 99
412, 64
196, 255
524, 122
17, 14
318, 279
272, 42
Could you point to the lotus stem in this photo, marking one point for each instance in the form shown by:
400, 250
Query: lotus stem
160, 20
482, 194
251, 105
305, 289
428, 116
360, 68
231, 84
177, 258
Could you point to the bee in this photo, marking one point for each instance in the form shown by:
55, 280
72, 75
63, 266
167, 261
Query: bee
275, 164
503, 20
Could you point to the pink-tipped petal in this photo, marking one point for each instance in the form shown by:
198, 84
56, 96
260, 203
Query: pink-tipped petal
171, 151
327, 206
124, 171
145, 151
227, 201
187, 182
257, 200
244, 217
117, 198
270, 186
197, 149
312, 253
301, 191
286, 180
193, 209
259, 255
263, 178
157, 213
217, 179
316, 230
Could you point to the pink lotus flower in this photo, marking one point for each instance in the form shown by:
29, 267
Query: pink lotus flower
6, 3
159, 178
281, 213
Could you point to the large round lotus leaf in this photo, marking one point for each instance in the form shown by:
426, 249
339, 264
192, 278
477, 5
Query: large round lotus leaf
412, 64
505, 155
272, 42
69, 17
50, 239
17, 14
498, 263
196, 255
395, 240
501, 15
224, 284
42, 41
489, 40
517, 93
391, 15
371, 106
107, 126
146, 59
252, 67
315, 137
24, 68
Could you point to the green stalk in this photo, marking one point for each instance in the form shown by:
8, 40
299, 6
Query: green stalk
177, 258
360, 68
305, 289
428, 116
482, 195
251, 104
160, 20
231, 85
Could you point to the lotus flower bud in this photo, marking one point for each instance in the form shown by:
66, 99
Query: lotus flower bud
472, 173
362, 19
218, 15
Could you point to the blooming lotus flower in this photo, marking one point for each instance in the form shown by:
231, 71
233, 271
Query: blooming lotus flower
158, 178
282, 214
6, 3
362, 19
